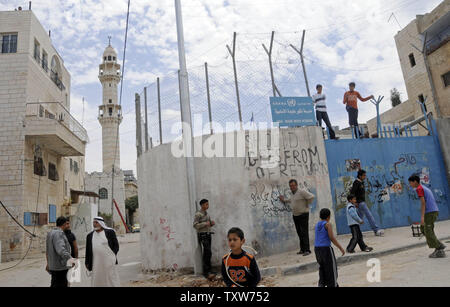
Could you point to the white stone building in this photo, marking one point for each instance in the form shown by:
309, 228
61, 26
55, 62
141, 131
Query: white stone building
42, 146
110, 117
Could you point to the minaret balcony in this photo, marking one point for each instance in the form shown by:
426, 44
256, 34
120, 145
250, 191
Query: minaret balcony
53, 125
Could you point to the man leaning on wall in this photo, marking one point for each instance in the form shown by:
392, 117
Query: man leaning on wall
300, 200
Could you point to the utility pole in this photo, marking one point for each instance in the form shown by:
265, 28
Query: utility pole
208, 96
159, 112
430, 76
300, 52
269, 53
82, 116
187, 138
137, 103
146, 119
233, 56
112, 197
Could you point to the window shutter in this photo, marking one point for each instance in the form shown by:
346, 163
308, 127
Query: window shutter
27, 218
43, 217
52, 213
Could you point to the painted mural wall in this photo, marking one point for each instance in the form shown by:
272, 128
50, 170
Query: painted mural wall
242, 191
389, 163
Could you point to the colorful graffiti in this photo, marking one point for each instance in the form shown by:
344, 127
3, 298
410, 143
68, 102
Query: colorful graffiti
389, 163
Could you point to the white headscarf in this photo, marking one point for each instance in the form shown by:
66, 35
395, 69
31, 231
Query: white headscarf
101, 221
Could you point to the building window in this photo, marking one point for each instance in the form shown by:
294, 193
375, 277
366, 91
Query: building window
110, 101
412, 60
422, 100
52, 172
75, 167
35, 219
446, 78
105, 58
51, 213
103, 193
109, 58
8, 43
39, 168
65, 188
44, 60
114, 58
71, 165
110, 111
30, 218
37, 53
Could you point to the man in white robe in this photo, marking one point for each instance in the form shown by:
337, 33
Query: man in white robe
102, 247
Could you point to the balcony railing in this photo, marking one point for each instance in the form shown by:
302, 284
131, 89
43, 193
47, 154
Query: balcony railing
438, 40
55, 78
53, 75
57, 112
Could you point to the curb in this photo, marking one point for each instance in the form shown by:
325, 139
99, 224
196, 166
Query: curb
313, 266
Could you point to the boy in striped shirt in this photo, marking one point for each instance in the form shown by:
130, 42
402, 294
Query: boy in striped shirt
320, 103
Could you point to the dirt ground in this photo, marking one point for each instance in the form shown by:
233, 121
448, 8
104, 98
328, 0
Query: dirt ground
177, 279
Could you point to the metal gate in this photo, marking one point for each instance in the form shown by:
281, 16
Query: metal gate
389, 162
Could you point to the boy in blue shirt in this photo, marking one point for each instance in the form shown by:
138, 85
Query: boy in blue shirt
354, 220
324, 252
429, 214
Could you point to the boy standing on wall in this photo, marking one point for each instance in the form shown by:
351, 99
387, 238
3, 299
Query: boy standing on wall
429, 214
320, 103
203, 224
324, 252
351, 101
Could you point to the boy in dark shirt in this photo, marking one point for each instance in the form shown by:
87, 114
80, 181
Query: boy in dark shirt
72, 241
239, 269
359, 191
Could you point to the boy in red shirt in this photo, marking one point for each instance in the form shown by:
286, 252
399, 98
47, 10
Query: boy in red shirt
351, 100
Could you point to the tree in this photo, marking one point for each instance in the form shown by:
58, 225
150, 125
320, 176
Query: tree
131, 204
395, 97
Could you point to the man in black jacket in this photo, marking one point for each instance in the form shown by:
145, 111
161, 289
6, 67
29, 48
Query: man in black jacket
359, 191
102, 247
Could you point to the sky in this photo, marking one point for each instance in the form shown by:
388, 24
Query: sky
346, 40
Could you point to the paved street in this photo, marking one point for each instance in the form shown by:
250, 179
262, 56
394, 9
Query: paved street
31, 272
411, 268
408, 268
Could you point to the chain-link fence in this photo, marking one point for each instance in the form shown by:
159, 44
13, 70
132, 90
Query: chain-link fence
254, 84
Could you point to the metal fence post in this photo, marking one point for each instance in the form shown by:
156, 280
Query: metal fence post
146, 119
209, 98
159, 112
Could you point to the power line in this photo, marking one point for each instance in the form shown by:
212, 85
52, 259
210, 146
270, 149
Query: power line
33, 235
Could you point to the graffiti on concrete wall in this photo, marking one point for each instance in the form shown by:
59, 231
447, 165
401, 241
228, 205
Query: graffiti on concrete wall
388, 164
168, 233
383, 183
80, 225
353, 165
292, 162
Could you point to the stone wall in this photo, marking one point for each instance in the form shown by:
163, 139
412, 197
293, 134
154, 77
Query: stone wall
242, 193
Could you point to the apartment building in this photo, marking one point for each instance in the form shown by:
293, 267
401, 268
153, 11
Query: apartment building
42, 146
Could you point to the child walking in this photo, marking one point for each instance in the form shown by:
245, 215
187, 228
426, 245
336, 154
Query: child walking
324, 252
239, 269
354, 221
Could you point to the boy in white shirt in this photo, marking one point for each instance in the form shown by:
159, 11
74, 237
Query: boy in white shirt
319, 101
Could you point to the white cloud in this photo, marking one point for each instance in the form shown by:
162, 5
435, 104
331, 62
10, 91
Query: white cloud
346, 40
